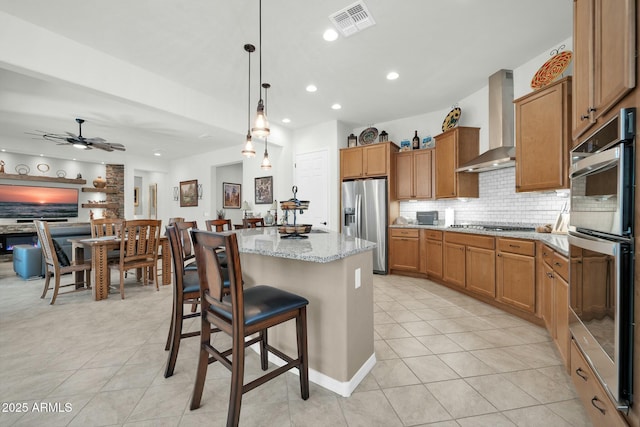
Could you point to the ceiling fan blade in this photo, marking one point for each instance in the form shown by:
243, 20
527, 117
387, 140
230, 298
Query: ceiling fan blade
101, 145
95, 140
117, 146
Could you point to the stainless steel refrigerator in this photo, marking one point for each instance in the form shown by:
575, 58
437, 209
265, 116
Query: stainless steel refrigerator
364, 215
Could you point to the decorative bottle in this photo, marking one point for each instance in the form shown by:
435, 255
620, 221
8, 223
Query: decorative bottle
416, 141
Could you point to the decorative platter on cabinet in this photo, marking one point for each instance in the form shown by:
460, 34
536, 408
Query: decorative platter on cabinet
551, 69
452, 119
368, 136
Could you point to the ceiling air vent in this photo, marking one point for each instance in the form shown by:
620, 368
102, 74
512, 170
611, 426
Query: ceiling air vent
352, 19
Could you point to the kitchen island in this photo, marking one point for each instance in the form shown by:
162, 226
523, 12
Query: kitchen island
335, 273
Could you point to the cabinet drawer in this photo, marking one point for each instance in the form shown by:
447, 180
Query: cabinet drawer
432, 234
517, 246
561, 265
475, 240
595, 400
547, 255
405, 232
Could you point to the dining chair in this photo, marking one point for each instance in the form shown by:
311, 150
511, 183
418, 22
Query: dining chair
188, 255
218, 224
186, 290
53, 267
106, 227
175, 219
252, 222
139, 249
241, 314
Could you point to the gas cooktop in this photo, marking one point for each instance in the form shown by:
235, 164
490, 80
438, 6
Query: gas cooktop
494, 227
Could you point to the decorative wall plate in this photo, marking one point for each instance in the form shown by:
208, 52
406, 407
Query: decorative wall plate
452, 119
368, 136
61, 173
551, 69
43, 167
22, 169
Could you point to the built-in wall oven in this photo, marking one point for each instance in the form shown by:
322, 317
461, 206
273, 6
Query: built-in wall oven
601, 247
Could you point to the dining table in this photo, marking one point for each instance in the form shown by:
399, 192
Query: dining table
100, 274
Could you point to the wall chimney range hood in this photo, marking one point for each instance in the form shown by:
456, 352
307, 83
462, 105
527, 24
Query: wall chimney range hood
502, 152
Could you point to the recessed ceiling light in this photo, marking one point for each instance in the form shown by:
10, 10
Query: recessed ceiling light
336, 106
330, 35
3, 150
312, 88
157, 153
392, 75
41, 155
286, 120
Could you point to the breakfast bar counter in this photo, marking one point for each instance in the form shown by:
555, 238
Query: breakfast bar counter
335, 273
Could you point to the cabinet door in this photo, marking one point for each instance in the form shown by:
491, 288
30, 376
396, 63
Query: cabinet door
454, 264
404, 253
351, 163
375, 160
547, 295
481, 265
542, 139
446, 165
423, 174
516, 281
561, 303
582, 66
614, 52
434, 258
404, 175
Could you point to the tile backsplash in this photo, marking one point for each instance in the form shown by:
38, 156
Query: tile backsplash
498, 203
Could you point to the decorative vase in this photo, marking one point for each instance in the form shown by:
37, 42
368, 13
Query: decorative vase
99, 182
268, 218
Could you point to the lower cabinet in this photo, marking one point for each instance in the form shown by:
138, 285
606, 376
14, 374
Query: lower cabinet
596, 401
516, 273
404, 249
469, 262
431, 253
554, 310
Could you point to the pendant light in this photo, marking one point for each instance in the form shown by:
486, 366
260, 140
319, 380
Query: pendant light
260, 127
248, 150
266, 163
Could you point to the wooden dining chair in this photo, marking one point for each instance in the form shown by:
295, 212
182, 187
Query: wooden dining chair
242, 313
188, 255
252, 222
175, 219
106, 227
218, 224
53, 267
186, 290
139, 249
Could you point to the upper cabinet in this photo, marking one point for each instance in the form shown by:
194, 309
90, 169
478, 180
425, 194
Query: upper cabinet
366, 161
542, 138
454, 148
414, 174
604, 64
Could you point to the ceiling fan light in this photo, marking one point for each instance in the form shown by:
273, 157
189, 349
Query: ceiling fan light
248, 150
80, 145
260, 127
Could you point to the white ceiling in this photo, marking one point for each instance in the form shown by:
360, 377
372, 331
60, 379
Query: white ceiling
443, 50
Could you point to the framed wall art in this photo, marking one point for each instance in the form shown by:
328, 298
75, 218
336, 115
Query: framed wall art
264, 190
231, 195
189, 193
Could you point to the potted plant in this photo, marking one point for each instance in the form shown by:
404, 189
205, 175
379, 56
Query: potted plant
220, 213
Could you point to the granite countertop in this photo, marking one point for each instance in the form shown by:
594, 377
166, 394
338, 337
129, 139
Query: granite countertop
318, 247
558, 242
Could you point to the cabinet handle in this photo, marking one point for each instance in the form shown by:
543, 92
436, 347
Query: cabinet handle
579, 372
550, 276
591, 109
585, 117
499, 255
557, 264
514, 246
593, 402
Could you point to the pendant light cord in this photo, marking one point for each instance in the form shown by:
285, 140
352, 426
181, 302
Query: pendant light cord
249, 96
260, 42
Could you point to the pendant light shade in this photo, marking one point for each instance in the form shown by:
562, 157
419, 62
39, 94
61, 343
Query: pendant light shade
260, 127
248, 150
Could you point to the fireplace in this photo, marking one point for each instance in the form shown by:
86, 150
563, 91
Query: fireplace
9, 240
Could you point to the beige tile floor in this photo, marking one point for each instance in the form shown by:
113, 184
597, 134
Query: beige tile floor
444, 360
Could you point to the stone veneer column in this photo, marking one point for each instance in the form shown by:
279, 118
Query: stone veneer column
115, 180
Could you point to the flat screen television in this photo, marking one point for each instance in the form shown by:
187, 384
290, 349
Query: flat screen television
25, 201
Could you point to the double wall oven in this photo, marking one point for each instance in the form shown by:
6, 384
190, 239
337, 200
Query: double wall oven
601, 248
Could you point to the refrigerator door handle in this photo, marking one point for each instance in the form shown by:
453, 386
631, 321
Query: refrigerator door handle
358, 215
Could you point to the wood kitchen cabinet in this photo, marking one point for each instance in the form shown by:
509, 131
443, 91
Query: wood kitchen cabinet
604, 58
414, 174
367, 161
543, 134
516, 273
469, 262
404, 249
554, 284
454, 148
432, 243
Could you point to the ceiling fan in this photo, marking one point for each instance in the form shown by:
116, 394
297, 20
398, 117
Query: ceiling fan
80, 141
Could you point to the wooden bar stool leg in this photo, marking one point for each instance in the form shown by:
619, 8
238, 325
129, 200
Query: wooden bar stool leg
203, 364
301, 329
237, 379
264, 353
176, 332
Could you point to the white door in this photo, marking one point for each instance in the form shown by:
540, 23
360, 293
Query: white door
312, 179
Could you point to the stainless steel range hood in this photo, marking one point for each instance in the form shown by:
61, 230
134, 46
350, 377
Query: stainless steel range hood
501, 153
